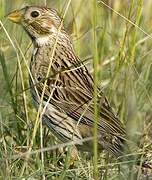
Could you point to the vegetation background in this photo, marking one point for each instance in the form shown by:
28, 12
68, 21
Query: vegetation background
122, 30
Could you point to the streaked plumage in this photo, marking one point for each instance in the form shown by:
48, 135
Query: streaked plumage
70, 111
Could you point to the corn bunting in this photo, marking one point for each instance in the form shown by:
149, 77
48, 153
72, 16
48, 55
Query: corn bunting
69, 87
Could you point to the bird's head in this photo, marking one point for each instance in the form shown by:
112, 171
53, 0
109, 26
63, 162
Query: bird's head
37, 21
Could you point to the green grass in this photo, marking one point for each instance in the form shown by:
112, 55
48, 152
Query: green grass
114, 39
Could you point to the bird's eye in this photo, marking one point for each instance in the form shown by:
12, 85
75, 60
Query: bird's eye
35, 14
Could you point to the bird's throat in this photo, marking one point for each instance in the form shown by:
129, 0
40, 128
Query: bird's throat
42, 41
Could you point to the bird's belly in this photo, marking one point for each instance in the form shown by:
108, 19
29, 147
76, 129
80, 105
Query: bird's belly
62, 126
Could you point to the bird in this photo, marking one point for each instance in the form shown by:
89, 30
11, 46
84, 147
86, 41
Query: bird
65, 85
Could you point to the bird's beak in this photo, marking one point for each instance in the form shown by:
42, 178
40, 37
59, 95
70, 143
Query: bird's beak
15, 16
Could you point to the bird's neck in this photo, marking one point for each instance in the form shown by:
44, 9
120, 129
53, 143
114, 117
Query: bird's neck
50, 39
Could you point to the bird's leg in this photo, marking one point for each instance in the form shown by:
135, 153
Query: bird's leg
68, 155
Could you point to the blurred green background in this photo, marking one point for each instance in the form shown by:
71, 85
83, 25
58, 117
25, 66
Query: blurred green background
124, 44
